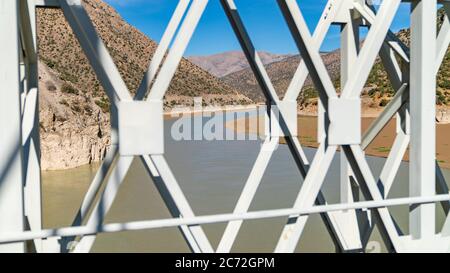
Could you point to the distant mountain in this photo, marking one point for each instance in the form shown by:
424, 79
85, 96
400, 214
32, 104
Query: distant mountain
74, 116
226, 63
281, 73
376, 94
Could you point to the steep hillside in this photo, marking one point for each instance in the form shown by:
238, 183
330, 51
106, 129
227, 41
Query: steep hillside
377, 93
280, 73
74, 108
226, 63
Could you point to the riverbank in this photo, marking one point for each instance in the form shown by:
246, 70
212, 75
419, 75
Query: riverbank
380, 147
65, 149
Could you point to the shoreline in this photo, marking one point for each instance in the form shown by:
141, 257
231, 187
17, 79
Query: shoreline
208, 109
170, 115
307, 126
380, 147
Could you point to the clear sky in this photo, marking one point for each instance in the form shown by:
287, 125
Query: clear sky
263, 20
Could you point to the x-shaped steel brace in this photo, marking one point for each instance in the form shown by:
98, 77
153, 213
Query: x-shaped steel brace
351, 89
117, 166
292, 141
399, 102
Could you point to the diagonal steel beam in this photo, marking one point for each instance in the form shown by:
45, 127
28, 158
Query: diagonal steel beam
264, 81
169, 201
372, 191
107, 197
393, 161
271, 96
107, 166
308, 194
182, 40
95, 50
162, 48
179, 199
310, 52
400, 99
371, 47
248, 193
368, 12
443, 39
179, 46
322, 81
156, 62
331, 10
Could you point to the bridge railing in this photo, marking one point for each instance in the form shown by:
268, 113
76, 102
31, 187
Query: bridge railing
412, 71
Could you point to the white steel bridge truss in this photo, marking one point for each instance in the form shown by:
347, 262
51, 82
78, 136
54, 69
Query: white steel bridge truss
412, 72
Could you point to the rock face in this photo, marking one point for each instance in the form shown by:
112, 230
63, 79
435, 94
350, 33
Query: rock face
74, 109
72, 134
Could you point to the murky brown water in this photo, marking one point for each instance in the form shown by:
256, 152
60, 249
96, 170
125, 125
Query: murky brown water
212, 175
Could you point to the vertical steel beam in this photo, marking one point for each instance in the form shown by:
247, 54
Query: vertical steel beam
11, 164
422, 170
349, 55
31, 136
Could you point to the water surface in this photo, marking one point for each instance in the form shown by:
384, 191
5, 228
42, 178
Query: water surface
212, 176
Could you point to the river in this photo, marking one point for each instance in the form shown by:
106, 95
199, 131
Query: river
212, 175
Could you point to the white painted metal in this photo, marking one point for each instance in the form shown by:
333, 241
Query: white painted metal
350, 43
371, 48
141, 128
345, 121
178, 48
217, 218
443, 40
248, 193
11, 155
30, 119
308, 193
162, 48
273, 101
411, 72
289, 108
390, 110
327, 18
423, 112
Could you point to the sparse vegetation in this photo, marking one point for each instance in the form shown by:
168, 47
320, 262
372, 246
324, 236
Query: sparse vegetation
131, 51
104, 104
69, 89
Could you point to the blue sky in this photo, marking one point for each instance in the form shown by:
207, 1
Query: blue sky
263, 20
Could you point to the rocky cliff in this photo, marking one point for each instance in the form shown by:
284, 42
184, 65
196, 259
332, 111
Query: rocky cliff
73, 106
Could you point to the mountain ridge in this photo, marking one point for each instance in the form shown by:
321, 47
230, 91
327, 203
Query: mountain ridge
225, 63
